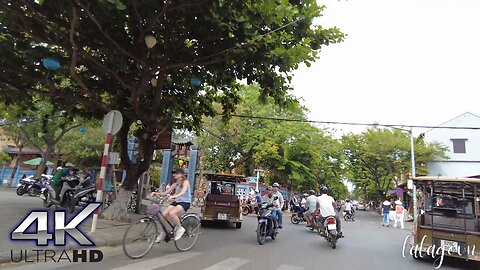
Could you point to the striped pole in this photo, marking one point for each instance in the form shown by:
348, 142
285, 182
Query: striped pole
103, 170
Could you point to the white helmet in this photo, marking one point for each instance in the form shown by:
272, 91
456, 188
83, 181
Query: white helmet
276, 184
59, 168
256, 190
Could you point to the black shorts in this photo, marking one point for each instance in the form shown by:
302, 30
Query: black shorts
184, 205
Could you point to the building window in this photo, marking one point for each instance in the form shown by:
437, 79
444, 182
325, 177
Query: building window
459, 146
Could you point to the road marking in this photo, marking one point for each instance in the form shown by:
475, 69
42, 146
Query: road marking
289, 267
159, 262
228, 264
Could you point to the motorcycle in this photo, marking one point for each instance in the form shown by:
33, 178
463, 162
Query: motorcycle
265, 225
31, 185
248, 208
24, 185
36, 187
314, 225
349, 215
71, 191
330, 231
297, 217
85, 194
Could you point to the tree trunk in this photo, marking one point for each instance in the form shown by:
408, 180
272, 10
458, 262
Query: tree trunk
17, 161
43, 164
118, 209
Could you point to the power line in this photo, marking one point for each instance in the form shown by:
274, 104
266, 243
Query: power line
350, 123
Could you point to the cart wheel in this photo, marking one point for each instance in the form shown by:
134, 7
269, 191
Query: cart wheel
238, 225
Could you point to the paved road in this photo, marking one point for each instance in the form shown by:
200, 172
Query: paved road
366, 246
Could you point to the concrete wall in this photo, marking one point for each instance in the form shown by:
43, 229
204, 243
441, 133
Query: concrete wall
458, 164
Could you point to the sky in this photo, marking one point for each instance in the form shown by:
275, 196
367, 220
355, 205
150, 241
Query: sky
408, 62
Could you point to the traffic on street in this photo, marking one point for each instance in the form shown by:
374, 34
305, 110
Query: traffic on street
366, 245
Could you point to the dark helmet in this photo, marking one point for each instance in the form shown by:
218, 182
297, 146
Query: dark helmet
312, 192
324, 190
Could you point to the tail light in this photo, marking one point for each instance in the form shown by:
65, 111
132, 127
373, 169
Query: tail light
331, 220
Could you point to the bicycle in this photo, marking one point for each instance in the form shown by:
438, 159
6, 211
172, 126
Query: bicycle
145, 230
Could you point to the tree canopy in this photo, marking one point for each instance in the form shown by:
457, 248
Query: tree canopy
199, 50
380, 159
295, 154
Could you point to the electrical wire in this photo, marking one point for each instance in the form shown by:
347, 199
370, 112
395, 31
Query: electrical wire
398, 126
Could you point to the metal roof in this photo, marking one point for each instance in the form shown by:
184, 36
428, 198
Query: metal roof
446, 179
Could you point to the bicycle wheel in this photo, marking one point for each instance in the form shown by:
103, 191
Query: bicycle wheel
191, 224
139, 237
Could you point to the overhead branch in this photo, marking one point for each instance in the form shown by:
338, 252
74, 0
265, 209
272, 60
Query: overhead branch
158, 90
63, 132
15, 86
92, 60
29, 141
194, 64
154, 21
73, 63
107, 36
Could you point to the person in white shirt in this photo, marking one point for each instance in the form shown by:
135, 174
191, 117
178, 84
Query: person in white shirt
303, 202
348, 206
311, 207
326, 204
270, 198
276, 192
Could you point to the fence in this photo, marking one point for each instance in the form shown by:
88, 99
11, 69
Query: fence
6, 172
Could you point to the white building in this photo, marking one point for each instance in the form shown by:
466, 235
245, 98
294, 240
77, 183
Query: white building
463, 144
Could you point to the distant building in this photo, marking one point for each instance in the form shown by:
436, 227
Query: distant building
463, 144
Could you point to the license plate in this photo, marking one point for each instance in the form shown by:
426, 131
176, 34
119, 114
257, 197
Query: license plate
451, 246
222, 216
331, 227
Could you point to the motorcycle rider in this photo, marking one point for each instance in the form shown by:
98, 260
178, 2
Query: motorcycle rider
270, 198
326, 204
276, 192
348, 207
310, 206
56, 182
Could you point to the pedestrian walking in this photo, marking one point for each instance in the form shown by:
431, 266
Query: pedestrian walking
399, 214
386, 207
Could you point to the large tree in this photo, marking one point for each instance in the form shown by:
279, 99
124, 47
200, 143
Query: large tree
40, 126
203, 48
295, 153
378, 159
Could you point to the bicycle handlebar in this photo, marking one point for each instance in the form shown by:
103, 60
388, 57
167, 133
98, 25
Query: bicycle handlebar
156, 199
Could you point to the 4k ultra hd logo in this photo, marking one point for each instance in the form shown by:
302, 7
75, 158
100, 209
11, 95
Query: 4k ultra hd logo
45, 232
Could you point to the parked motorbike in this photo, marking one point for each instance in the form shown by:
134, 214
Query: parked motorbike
36, 187
24, 185
265, 225
248, 208
349, 215
330, 234
85, 194
70, 193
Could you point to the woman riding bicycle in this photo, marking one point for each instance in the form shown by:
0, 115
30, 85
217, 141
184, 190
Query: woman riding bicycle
181, 203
